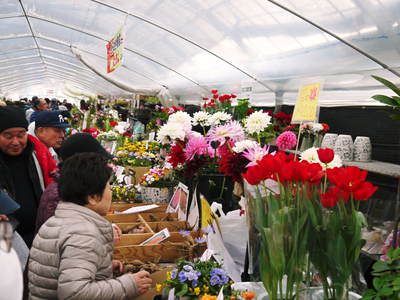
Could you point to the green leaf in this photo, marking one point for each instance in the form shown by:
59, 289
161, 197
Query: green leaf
386, 291
397, 99
183, 291
380, 266
385, 99
388, 84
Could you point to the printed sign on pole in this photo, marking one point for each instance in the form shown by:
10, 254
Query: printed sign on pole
306, 108
114, 51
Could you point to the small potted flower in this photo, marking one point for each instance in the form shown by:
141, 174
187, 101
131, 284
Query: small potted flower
156, 186
201, 280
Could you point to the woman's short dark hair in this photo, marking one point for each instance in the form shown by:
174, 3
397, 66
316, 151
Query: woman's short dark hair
83, 175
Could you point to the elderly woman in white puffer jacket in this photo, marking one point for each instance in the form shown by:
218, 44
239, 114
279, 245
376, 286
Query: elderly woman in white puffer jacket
71, 256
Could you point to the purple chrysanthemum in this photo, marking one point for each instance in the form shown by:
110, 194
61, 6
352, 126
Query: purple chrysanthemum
197, 145
232, 130
254, 154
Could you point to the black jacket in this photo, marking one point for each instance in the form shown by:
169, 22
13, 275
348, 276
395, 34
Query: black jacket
6, 182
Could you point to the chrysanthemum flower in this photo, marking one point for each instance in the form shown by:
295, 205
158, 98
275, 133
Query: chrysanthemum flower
199, 146
232, 130
286, 140
257, 122
254, 154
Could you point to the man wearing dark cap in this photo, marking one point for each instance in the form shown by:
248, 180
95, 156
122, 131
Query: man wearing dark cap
25, 167
77, 143
50, 130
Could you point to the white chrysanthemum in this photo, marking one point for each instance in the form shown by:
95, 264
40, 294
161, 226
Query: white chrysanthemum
170, 132
180, 117
201, 118
311, 155
317, 127
219, 118
336, 162
257, 122
243, 145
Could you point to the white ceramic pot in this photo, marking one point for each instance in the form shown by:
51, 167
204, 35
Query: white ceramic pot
344, 147
362, 149
329, 140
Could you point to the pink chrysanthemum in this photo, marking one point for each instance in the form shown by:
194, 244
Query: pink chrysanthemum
197, 145
255, 153
232, 130
287, 140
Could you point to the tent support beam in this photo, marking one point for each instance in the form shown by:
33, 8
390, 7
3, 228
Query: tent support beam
33, 34
91, 53
186, 40
374, 59
127, 49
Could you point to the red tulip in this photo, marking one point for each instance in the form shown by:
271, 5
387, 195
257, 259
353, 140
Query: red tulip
214, 91
233, 96
347, 179
205, 98
326, 155
307, 172
330, 198
113, 124
215, 96
365, 191
254, 175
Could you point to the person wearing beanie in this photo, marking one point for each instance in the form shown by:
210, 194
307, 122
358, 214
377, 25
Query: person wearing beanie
25, 167
77, 143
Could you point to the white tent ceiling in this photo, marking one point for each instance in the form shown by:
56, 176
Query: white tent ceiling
191, 46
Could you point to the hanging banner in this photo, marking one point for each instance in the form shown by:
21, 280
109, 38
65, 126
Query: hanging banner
306, 108
114, 51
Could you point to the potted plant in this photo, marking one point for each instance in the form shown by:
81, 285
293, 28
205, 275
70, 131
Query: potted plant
201, 280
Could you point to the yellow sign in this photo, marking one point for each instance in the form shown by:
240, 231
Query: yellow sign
307, 103
207, 216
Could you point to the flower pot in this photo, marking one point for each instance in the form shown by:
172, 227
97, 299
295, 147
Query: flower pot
306, 143
156, 195
362, 149
344, 147
218, 188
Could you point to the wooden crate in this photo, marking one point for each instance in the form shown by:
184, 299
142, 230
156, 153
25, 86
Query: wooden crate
166, 252
162, 207
148, 216
137, 238
172, 226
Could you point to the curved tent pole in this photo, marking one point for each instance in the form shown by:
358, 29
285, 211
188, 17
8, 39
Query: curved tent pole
127, 49
116, 83
31, 30
374, 59
187, 40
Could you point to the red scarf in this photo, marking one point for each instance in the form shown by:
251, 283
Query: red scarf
47, 163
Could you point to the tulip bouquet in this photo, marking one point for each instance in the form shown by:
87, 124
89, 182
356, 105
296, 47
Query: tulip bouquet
314, 214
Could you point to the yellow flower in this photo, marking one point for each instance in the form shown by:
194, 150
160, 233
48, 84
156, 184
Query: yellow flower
169, 275
206, 288
158, 287
208, 297
197, 291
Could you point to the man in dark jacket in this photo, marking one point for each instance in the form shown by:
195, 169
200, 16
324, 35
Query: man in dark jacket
25, 167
